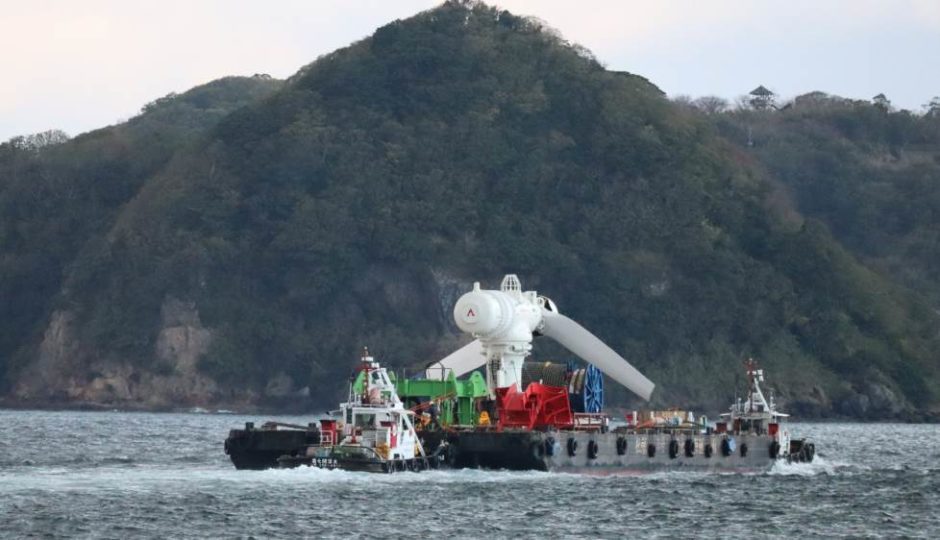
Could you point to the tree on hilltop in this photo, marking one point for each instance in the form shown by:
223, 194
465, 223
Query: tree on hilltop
882, 102
37, 141
711, 104
933, 107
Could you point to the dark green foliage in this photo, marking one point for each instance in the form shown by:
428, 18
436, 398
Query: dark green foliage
873, 178
457, 145
58, 201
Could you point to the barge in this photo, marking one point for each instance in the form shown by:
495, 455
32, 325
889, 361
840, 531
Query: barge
752, 436
486, 406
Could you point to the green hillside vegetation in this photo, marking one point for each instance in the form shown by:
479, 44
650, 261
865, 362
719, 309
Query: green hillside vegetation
58, 199
870, 173
350, 204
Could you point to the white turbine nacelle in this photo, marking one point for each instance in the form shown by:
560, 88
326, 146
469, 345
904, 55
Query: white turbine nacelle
504, 322
498, 315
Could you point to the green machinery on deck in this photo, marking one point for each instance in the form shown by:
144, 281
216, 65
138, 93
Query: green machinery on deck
456, 398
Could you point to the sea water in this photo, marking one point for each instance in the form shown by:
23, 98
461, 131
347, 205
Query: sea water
140, 475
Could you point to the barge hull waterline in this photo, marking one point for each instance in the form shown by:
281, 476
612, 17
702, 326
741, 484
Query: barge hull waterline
599, 453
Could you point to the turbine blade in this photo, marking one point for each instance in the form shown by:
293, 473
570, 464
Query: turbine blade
462, 361
586, 345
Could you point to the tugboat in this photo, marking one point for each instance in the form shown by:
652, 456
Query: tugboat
532, 416
374, 432
758, 417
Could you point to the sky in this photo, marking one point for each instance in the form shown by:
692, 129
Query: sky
77, 66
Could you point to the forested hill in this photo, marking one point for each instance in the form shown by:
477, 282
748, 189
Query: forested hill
870, 173
241, 249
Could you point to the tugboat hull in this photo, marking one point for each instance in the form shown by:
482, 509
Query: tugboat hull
337, 458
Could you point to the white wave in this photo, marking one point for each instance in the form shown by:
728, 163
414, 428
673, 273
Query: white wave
818, 466
444, 476
147, 478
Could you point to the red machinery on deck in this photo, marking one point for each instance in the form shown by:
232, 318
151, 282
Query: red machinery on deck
539, 406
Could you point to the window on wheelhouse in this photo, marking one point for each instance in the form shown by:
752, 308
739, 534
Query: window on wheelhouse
365, 420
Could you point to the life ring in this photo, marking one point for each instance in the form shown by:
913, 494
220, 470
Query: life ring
673, 449
572, 447
592, 449
689, 448
774, 449
651, 450
743, 449
708, 450
621, 446
550, 446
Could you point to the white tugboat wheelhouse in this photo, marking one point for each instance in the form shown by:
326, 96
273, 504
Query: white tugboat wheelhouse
374, 429
758, 415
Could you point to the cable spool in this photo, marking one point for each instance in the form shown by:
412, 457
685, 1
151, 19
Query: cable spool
548, 373
585, 385
589, 395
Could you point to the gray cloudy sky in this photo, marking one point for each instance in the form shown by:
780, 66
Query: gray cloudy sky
82, 65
